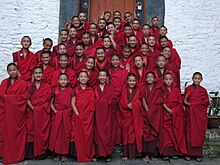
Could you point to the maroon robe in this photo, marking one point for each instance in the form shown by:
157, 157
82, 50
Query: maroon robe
60, 123
48, 74
77, 65
173, 140
83, 124
15, 122
132, 121
104, 121
25, 65
38, 54
105, 66
38, 119
155, 31
152, 119
196, 121
140, 78
93, 78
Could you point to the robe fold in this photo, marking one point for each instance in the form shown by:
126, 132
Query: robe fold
15, 122
83, 125
132, 120
60, 123
48, 74
196, 121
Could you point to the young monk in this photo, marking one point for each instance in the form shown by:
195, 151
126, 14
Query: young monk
128, 18
148, 61
93, 33
38, 116
123, 37
60, 122
153, 52
137, 28
73, 39
61, 50
104, 127
118, 24
102, 63
63, 39
126, 58
196, 101
24, 59
131, 119
173, 141
154, 29
15, 93
152, 100
47, 68
133, 42
93, 74
163, 32
102, 27
145, 34
63, 64
83, 107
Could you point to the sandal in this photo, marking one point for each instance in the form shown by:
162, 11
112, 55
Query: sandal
57, 158
187, 158
146, 158
63, 158
124, 158
198, 159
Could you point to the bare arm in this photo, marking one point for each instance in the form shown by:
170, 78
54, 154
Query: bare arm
185, 100
113, 42
52, 106
167, 109
75, 110
145, 104
30, 105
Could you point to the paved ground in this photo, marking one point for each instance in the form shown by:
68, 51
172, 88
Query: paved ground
117, 161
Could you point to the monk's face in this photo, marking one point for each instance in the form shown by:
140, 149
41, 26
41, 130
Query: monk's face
63, 80
12, 71
102, 77
128, 17
63, 61
138, 62
163, 42
107, 16
86, 39
45, 58
117, 14
76, 22
106, 43
62, 49
150, 78
161, 61
92, 29
132, 41
100, 54
117, 23
163, 31
101, 24
166, 52
168, 80
83, 78
82, 17
72, 32
63, 36
90, 63
115, 61
111, 29
144, 49
128, 31
135, 24
38, 74
151, 41
126, 53
26, 42
197, 79
79, 51
155, 22
146, 30
47, 45
131, 82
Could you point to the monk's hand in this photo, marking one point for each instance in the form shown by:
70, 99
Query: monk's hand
122, 67
55, 111
170, 112
77, 113
130, 106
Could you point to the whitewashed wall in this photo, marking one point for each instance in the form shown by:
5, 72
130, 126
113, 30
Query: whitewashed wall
194, 28
36, 18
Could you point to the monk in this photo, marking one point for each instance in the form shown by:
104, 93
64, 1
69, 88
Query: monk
72, 41
126, 61
25, 59
61, 50
118, 24
137, 28
123, 37
104, 128
60, 122
163, 32
63, 39
152, 100
148, 61
38, 117
63, 64
93, 33
196, 101
16, 97
153, 52
154, 29
83, 106
145, 34
102, 27
102, 63
173, 141
131, 118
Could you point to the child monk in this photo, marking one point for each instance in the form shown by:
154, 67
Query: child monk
47, 68
126, 61
93, 33
15, 94
24, 59
145, 34
83, 107
153, 51
60, 122
61, 50
102, 27
131, 118
152, 100
102, 63
63, 39
63, 63
154, 29
38, 116
173, 141
148, 61
196, 101
163, 32
104, 128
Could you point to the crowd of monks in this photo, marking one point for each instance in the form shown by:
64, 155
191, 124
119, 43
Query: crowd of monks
109, 83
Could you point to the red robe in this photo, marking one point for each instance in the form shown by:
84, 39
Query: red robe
93, 78
48, 74
83, 124
155, 31
152, 119
77, 65
132, 120
105, 66
25, 65
140, 78
39, 128
196, 121
38, 54
104, 121
173, 135
71, 76
60, 122
15, 122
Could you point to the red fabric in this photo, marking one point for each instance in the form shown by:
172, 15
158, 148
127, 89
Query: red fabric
173, 134
60, 122
55, 63
48, 74
155, 31
196, 115
132, 120
140, 78
77, 65
104, 120
152, 118
71, 76
105, 66
38, 54
118, 78
26, 65
154, 55
15, 122
93, 78
83, 125
90, 51
40, 100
